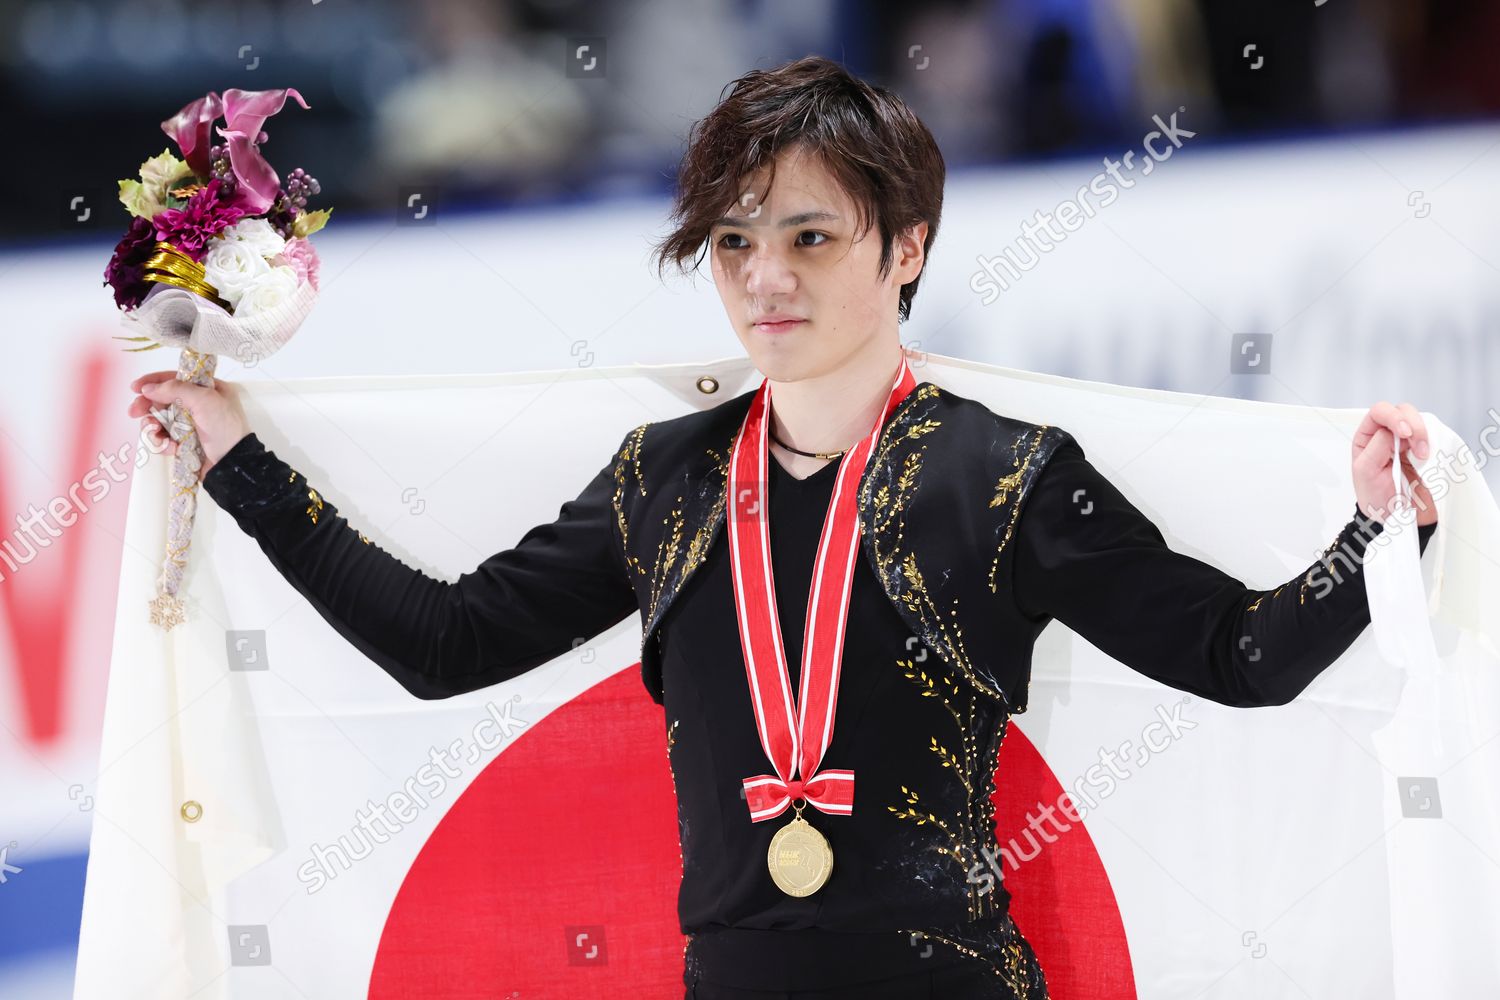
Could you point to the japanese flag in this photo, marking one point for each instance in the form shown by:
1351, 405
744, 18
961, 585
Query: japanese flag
276, 818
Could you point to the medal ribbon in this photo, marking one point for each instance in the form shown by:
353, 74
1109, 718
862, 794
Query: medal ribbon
796, 750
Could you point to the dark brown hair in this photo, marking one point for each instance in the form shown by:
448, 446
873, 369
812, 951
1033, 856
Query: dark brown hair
882, 155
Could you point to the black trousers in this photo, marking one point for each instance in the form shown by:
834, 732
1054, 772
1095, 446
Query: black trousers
958, 982
984, 960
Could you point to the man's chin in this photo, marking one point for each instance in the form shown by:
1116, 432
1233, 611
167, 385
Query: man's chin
781, 366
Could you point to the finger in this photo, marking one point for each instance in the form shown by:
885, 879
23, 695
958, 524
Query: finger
1421, 493
140, 406
1417, 439
171, 390
1420, 496
1382, 414
151, 377
156, 438
1377, 453
1409, 471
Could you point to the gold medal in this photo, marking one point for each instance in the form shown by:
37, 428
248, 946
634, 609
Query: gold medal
800, 858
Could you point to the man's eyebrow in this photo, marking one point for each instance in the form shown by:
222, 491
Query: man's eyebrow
791, 220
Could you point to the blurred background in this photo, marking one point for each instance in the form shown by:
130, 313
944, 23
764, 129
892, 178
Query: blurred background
1302, 210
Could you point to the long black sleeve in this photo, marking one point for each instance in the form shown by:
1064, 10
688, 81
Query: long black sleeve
562, 583
1090, 558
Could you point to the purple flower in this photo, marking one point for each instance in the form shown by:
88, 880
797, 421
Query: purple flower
205, 216
192, 130
127, 268
245, 113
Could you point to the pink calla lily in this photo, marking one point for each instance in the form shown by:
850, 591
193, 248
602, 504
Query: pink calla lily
245, 112
191, 128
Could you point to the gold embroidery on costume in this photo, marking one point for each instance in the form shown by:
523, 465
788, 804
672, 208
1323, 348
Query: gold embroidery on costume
1307, 577
671, 552
1262, 597
630, 451
316, 507
630, 456
888, 518
1008, 491
973, 767
672, 770
1021, 972
697, 549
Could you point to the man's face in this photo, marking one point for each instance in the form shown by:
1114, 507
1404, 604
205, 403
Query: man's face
796, 253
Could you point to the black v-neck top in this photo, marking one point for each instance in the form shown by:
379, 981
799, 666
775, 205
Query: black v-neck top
1102, 568
799, 508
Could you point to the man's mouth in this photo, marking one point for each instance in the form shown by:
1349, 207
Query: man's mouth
778, 325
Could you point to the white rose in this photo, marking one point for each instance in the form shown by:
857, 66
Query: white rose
258, 234
231, 266
270, 291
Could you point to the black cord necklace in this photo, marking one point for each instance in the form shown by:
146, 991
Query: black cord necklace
805, 454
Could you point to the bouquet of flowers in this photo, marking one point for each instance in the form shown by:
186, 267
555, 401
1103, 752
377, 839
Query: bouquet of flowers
217, 260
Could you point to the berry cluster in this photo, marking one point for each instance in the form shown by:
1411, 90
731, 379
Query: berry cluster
300, 184
290, 201
218, 166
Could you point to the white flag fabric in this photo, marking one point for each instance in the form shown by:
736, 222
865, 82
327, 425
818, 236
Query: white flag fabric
1347, 844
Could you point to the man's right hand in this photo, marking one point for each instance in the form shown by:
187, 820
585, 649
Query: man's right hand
216, 412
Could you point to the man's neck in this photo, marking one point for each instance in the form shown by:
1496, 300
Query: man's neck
831, 412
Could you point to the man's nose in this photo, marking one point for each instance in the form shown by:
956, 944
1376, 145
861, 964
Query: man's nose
767, 273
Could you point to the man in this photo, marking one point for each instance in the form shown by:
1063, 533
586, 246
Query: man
841, 574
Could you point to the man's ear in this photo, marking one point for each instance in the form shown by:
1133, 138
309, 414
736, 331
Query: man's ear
909, 252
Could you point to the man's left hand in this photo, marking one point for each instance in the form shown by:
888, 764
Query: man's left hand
1384, 427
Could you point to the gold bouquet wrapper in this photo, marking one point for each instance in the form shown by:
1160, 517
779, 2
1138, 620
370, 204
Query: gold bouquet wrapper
170, 266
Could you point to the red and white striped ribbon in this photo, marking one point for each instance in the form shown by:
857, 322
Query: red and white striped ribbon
796, 750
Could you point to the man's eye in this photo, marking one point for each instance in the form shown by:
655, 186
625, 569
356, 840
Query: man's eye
822, 238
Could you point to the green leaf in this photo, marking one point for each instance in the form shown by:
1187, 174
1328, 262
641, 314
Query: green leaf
148, 196
308, 223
